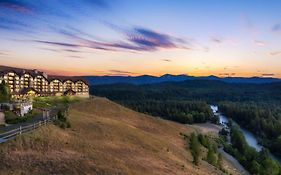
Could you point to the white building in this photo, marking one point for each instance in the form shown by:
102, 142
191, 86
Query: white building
23, 107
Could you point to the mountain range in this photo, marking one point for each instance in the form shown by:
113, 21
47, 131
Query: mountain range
149, 79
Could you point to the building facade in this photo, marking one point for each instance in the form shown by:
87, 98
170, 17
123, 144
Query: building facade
24, 83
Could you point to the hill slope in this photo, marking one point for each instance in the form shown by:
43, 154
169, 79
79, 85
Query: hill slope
105, 138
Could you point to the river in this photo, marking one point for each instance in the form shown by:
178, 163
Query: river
250, 138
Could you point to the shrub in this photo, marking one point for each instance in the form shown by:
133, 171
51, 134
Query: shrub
12, 118
62, 121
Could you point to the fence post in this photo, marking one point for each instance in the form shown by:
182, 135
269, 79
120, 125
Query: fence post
20, 129
33, 125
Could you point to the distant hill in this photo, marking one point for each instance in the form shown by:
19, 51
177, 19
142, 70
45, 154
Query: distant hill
104, 138
148, 79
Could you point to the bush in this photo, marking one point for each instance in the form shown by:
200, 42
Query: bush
12, 118
204, 140
62, 121
215, 119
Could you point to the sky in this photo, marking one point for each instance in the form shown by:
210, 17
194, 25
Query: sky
136, 37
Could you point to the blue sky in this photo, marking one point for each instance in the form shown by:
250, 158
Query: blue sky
132, 37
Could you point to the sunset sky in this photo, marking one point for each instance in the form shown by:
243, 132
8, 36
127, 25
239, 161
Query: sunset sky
135, 37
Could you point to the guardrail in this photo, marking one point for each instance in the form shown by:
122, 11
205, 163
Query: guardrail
22, 129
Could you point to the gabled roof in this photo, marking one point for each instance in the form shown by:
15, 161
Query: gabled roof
65, 78
34, 73
20, 71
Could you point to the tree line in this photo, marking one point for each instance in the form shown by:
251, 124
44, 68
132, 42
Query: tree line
179, 111
264, 120
255, 162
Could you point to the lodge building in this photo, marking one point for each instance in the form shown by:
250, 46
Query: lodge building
24, 83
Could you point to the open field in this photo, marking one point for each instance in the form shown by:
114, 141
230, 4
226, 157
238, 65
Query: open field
104, 138
207, 128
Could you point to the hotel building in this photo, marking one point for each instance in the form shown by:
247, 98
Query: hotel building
24, 83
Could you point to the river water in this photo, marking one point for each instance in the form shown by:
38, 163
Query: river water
250, 138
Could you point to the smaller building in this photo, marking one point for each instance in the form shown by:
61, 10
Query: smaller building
23, 108
19, 107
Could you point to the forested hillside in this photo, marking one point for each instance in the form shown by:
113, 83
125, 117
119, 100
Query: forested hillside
256, 107
209, 91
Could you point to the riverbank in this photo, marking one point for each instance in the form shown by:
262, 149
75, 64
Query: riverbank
250, 137
229, 162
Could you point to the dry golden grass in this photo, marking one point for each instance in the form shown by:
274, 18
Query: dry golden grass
105, 138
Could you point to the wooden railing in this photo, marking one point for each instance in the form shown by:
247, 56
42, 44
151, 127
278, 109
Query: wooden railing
23, 129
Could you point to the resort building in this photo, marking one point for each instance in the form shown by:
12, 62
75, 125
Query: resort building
25, 83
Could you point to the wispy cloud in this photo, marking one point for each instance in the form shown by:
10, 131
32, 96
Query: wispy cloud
38, 13
58, 43
17, 6
268, 75
166, 60
274, 53
10, 24
227, 74
152, 40
249, 25
49, 49
216, 39
259, 42
75, 56
98, 3
71, 50
136, 39
276, 28
116, 72
120, 71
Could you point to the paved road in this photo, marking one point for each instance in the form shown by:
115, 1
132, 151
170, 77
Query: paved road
29, 121
239, 168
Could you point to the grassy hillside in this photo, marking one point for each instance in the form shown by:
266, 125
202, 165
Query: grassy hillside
104, 138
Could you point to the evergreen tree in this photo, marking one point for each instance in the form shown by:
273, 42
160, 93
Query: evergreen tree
219, 162
255, 167
195, 148
269, 167
211, 156
4, 92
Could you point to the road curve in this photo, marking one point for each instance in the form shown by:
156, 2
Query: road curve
239, 168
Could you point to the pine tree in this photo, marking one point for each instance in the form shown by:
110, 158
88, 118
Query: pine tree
211, 157
4, 92
195, 148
